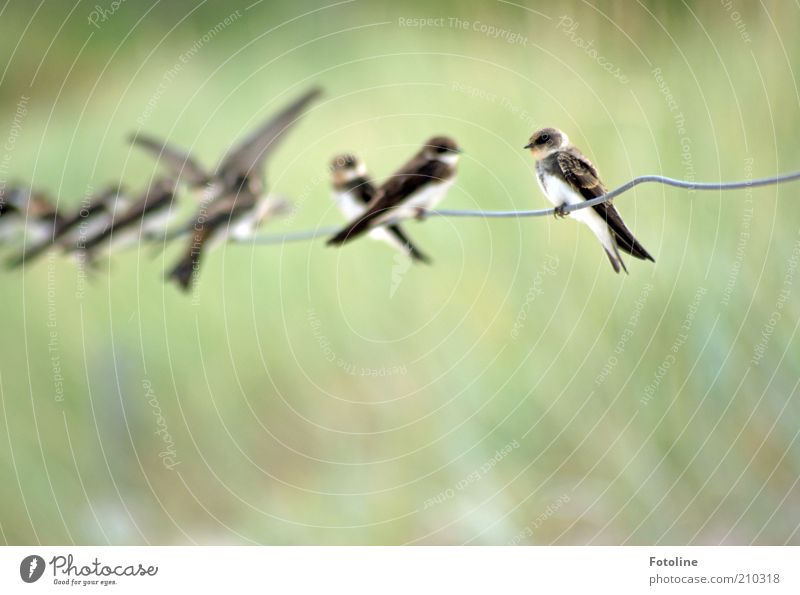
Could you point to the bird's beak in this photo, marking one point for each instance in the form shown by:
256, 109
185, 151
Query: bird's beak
528, 146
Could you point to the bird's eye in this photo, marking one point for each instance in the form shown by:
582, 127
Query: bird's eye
441, 149
544, 138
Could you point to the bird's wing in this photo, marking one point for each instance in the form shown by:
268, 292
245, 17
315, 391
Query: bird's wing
95, 205
583, 177
180, 164
580, 173
362, 188
83, 213
159, 194
249, 155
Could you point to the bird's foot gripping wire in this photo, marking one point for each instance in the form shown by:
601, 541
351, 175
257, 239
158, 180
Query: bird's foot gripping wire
560, 211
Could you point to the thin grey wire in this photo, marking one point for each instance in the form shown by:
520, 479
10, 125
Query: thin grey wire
326, 231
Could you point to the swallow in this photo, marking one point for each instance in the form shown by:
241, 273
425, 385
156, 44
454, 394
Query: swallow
91, 218
27, 213
150, 216
178, 163
10, 219
186, 170
235, 202
416, 187
567, 177
146, 217
353, 190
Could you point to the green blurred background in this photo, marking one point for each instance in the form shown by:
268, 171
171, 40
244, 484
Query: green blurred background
517, 391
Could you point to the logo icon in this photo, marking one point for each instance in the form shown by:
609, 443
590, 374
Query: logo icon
31, 569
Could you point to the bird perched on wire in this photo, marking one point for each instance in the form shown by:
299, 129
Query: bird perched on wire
10, 219
91, 218
26, 214
234, 201
146, 217
567, 177
353, 190
416, 187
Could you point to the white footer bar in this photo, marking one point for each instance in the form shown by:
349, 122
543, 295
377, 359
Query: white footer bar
354, 570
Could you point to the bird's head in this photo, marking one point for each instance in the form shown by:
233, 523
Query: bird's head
16, 197
442, 148
112, 197
546, 141
346, 167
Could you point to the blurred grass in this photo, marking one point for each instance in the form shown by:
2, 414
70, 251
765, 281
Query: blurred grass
276, 443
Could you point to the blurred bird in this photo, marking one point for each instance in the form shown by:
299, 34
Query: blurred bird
178, 163
153, 210
353, 190
26, 214
145, 218
92, 218
10, 220
234, 202
415, 188
567, 177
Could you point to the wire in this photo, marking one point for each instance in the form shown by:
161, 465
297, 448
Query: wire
295, 236
325, 231
624, 188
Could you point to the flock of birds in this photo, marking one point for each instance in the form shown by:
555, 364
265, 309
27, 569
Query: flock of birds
233, 201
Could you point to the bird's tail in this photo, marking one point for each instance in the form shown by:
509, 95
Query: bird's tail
609, 243
396, 236
623, 237
28, 254
417, 255
628, 243
186, 270
352, 231
616, 259
183, 272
